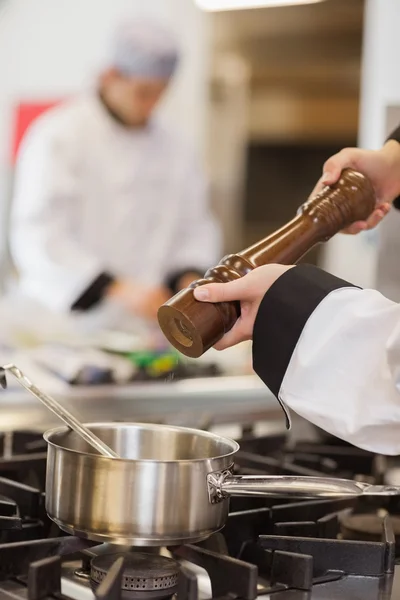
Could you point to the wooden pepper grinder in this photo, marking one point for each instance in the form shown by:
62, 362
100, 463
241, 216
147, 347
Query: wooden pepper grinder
193, 327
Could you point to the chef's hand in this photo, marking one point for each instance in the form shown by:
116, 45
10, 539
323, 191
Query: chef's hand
382, 167
138, 299
249, 291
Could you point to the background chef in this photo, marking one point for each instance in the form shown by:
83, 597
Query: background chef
109, 203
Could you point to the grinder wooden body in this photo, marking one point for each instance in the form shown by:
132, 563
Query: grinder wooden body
193, 327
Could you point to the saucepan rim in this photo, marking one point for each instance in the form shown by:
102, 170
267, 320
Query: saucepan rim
150, 426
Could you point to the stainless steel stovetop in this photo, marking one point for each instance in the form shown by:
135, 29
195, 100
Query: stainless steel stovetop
279, 550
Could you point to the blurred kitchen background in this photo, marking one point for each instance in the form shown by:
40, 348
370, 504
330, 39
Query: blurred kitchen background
266, 95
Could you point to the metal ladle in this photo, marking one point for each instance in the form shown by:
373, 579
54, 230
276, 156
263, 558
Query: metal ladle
58, 410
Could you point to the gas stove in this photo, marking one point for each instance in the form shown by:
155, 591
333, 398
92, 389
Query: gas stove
270, 549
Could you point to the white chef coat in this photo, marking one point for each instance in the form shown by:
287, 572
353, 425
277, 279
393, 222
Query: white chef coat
388, 264
92, 196
343, 374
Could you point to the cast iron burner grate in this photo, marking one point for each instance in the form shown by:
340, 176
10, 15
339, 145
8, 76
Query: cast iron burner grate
269, 548
367, 527
144, 576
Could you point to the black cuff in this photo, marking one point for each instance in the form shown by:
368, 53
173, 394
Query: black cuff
282, 316
395, 135
172, 280
94, 293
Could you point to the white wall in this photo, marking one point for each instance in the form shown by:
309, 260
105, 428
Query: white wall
381, 74
354, 258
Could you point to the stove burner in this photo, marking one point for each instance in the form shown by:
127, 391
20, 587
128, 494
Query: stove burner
367, 527
145, 577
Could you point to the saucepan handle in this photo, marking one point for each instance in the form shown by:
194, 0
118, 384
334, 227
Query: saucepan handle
223, 484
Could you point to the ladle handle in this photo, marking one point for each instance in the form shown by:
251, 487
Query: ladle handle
58, 410
223, 484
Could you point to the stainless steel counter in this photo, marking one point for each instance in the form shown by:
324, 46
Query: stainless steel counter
196, 402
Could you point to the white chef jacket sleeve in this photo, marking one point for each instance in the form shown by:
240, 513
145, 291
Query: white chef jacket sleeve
331, 352
198, 239
54, 268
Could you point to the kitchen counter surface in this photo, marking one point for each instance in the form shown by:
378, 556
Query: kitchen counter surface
192, 402
233, 398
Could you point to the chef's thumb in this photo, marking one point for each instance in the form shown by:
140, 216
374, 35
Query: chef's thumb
221, 292
334, 166
331, 174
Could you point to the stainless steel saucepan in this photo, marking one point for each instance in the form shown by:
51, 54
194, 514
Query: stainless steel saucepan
171, 486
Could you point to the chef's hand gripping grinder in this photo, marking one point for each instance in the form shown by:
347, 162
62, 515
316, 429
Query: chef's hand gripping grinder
193, 327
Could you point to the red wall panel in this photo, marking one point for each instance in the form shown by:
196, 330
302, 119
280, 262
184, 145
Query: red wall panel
25, 113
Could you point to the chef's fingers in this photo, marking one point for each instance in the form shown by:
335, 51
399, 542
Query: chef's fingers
243, 328
355, 228
238, 289
346, 158
333, 167
238, 333
248, 288
376, 217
